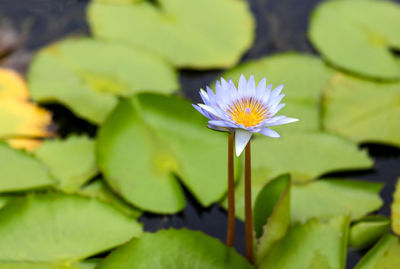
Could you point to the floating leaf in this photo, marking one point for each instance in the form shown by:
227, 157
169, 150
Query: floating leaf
71, 161
368, 230
21, 171
35, 265
93, 74
384, 255
357, 36
19, 117
326, 198
12, 85
396, 209
272, 215
99, 190
363, 111
59, 228
148, 139
304, 77
200, 34
178, 249
311, 245
306, 156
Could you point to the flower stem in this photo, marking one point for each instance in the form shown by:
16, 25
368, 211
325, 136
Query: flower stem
247, 204
230, 236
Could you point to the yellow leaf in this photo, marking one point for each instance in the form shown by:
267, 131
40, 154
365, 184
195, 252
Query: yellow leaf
12, 85
21, 121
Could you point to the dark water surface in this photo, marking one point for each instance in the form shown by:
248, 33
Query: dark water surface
281, 27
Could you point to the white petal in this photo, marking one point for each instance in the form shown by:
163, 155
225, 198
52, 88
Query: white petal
260, 91
279, 120
265, 96
242, 137
275, 109
251, 86
210, 110
269, 132
242, 86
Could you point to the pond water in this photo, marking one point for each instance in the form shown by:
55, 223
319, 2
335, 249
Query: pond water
281, 27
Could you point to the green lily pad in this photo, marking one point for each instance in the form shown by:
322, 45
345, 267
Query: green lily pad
305, 156
178, 249
357, 36
60, 228
20, 171
94, 74
271, 215
304, 77
98, 189
326, 198
363, 111
35, 265
396, 210
311, 245
70, 161
368, 230
198, 34
384, 255
148, 140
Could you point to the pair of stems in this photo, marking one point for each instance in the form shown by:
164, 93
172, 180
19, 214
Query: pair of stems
230, 237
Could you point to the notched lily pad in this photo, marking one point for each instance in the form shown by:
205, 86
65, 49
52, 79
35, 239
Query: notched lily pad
94, 74
178, 249
99, 190
61, 229
363, 111
271, 215
150, 138
357, 36
326, 198
70, 161
197, 34
384, 255
20, 171
368, 230
312, 245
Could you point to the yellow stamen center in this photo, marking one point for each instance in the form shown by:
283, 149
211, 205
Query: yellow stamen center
248, 111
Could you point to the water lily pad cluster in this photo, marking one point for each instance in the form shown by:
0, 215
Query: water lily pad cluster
69, 199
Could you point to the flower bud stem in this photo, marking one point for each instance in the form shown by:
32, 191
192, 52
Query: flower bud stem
247, 204
230, 236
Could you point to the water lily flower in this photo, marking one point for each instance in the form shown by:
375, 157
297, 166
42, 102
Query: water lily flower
245, 110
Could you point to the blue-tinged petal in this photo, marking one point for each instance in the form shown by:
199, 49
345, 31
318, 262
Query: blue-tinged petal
223, 129
266, 95
222, 92
251, 86
222, 123
276, 92
260, 90
274, 110
204, 97
279, 120
275, 101
211, 95
269, 132
242, 86
204, 113
242, 137
211, 111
